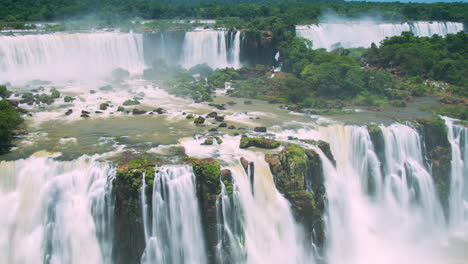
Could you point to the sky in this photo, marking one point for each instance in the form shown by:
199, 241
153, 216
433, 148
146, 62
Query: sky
416, 1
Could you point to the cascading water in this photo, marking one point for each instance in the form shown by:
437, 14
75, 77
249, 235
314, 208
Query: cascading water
458, 200
363, 33
217, 48
69, 56
260, 227
174, 232
56, 212
398, 219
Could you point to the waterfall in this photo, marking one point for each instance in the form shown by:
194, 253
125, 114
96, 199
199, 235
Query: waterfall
213, 47
401, 220
363, 33
56, 212
174, 232
69, 56
268, 230
458, 200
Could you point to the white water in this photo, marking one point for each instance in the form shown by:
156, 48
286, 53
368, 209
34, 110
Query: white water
69, 56
55, 212
402, 221
364, 33
263, 229
211, 47
174, 233
458, 202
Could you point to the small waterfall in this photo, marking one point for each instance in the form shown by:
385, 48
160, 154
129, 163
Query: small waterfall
56, 212
270, 233
211, 47
458, 200
363, 33
69, 56
174, 232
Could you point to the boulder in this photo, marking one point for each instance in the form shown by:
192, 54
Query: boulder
199, 120
103, 106
260, 129
138, 111
265, 143
69, 112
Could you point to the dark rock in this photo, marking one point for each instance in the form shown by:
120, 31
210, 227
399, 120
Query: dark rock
138, 111
244, 163
212, 115
260, 129
160, 111
84, 115
231, 103
231, 127
247, 102
69, 112
103, 106
85, 112
97, 112
222, 125
219, 118
213, 129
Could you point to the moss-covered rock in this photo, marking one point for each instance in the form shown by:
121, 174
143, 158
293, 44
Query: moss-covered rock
438, 153
265, 143
129, 240
298, 176
199, 120
207, 173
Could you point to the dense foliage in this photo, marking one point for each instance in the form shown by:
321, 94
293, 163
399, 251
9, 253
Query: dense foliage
444, 59
9, 120
246, 10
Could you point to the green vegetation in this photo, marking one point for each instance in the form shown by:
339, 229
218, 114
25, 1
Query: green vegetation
131, 102
437, 58
9, 120
252, 14
265, 143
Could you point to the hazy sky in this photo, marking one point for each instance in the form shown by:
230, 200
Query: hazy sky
416, 1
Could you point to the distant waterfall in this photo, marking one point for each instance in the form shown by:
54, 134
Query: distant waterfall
217, 48
69, 56
458, 202
363, 34
174, 233
56, 212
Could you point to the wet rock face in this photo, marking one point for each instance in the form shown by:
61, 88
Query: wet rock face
298, 176
438, 154
207, 173
129, 240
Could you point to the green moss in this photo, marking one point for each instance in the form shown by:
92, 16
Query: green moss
131, 102
209, 141
68, 99
219, 140
266, 143
189, 116
199, 120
